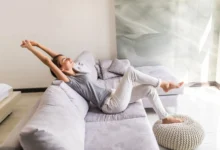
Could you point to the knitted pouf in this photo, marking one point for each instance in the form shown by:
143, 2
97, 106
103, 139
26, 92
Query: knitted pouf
179, 136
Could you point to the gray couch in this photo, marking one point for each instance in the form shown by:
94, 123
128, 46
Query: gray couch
63, 120
67, 125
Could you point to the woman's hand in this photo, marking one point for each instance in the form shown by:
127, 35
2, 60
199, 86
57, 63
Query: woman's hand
27, 44
33, 43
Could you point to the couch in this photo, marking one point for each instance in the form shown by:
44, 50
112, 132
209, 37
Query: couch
63, 120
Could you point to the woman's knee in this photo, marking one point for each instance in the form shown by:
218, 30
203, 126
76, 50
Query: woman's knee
130, 72
130, 69
150, 90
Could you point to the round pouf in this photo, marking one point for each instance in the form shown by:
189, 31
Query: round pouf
179, 136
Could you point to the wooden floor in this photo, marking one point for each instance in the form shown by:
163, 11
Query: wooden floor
25, 103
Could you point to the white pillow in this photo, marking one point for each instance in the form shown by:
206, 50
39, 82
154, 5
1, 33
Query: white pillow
5, 91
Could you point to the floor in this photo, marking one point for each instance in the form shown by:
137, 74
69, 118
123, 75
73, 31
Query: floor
202, 104
25, 103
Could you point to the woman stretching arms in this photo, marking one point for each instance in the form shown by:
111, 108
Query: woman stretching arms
106, 100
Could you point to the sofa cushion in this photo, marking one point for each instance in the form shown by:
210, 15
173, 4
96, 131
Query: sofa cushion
104, 65
77, 100
163, 73
88, 59
128, 134
34, 139
55, 119
119, 66
134, 110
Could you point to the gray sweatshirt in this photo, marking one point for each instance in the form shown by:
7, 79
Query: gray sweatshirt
84, 86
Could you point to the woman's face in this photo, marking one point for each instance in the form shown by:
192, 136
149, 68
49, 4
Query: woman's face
65, 63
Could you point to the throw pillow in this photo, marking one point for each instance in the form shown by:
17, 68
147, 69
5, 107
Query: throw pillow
119, 66
81, 67
104, 65
88, 59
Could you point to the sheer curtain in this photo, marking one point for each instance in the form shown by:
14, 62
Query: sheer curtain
179, 34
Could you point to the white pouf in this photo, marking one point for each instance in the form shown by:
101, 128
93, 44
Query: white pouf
179, 136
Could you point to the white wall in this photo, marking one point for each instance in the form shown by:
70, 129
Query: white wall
218, 66
67, 27
217, 27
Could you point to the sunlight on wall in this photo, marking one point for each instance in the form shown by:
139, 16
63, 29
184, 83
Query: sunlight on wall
205, 68
218, 65
186, 77
177, 34
205, 64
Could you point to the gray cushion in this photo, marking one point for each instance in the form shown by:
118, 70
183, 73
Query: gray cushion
56, 119
128, 134
119, 66
88, 59
82, 67
77, 100
98, 69
134, 110
33, 137
104, 65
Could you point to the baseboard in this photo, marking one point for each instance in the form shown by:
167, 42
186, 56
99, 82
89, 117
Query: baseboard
199, 84
31, 90
209, 83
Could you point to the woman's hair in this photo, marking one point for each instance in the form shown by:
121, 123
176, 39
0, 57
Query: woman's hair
56, 62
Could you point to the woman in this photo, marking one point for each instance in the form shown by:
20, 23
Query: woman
108, 101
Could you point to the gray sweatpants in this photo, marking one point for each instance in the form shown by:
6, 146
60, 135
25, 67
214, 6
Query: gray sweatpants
127, 93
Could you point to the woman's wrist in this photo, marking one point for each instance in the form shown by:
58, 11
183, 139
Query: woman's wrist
31, 48
37, 45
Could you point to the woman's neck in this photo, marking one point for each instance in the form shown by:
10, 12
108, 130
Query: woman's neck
71, 72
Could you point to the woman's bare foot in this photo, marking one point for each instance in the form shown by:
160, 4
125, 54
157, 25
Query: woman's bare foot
170, 120
166, 86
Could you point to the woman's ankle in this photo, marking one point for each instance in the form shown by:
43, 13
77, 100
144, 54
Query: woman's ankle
171, 119
164, 85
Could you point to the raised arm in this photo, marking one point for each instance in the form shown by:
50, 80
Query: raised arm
47, 61
47, 50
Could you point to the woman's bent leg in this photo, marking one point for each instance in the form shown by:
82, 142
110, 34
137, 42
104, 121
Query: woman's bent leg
121, 97
142, 91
